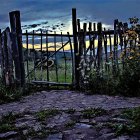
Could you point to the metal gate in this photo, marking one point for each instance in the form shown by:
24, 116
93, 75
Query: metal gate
48, 58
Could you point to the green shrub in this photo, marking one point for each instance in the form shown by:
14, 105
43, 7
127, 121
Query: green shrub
133, 115
8, 94
92, 112
102, 85
129, 80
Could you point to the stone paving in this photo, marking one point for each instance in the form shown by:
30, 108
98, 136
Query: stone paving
69, 123
64, 99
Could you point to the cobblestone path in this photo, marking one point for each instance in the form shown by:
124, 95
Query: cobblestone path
68, 99
64, 117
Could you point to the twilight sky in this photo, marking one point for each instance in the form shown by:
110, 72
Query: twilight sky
56, 14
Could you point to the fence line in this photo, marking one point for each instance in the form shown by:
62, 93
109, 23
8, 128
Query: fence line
46, 64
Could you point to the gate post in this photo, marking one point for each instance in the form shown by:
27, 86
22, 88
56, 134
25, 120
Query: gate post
16, 30
76, 52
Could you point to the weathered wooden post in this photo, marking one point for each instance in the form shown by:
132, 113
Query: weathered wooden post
0, 53
115, 38
8, 47
99, 49
76, 51
115, 56
105, 50
16, 30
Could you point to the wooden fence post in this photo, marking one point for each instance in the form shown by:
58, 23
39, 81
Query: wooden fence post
10, 75
0, 52
99, 50
115, 39
76, 51
16, 29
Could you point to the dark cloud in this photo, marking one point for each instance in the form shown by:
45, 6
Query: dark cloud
60, 10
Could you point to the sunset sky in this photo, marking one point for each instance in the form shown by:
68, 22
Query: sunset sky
59, 11
55, 15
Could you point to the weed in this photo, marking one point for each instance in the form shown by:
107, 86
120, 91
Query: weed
70, 111
92, 112
7, 122
44, 114
70, 124
133, 122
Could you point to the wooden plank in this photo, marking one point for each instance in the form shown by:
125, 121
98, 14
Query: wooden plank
90, 40
16, 28
65, 63
120, 35
1, 58
5, 57
125, 26
47, 41
99, 49
81, 43
76, 52
34, 55
78, 24
111, 32
27, 55
7, 63
49, 35
105, 49
56, 67
115, 40
10, 57
72, 59
93, 42
41, 67
16, 59
94, 27
52, 83
84, 38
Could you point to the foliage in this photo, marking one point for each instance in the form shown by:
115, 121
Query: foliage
102, 84
133, 115
92, 112
70, 124
44, 114
70, 111
7, 122
124, 78
8, 94
13, 93
129, 80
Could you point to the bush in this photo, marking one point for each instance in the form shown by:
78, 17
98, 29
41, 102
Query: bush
102, 84
129, 80
8, 94
13, 93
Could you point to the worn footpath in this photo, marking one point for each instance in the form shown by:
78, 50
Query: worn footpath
66, 115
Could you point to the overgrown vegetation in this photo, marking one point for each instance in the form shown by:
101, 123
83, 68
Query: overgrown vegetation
14, 93
70, 124
92, 112
44, 114
124, 78
8, 94
7, 122
133, 116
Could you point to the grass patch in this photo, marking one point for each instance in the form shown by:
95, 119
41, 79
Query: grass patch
63, 74
70, 111
44, 114
92, 112
14, 93
131, 126
7, 122
8, 94
70, 124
